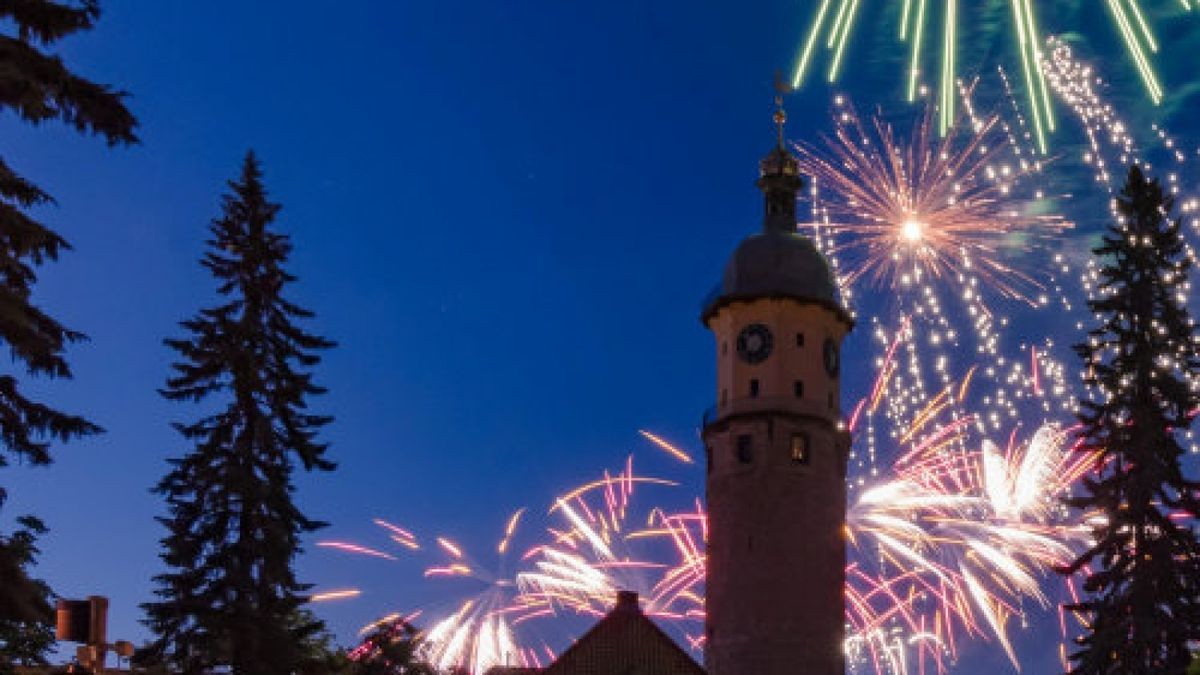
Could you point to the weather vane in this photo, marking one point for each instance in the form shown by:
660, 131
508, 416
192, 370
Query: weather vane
782, 88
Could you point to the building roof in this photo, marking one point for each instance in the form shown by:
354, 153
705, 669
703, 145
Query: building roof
625, 642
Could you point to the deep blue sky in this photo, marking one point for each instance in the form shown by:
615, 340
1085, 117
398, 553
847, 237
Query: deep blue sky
505, 213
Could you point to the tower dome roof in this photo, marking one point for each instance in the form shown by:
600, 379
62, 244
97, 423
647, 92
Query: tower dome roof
775, 264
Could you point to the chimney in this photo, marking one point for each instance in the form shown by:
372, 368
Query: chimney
85, 622
627, 601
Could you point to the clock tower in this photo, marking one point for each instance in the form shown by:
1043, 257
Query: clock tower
776, 449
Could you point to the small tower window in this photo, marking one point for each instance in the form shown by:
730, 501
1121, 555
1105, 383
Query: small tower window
754, 388
724, 348
745, 449
800, 448
831, 400
708, 458
798, 388
799, 339
724, 397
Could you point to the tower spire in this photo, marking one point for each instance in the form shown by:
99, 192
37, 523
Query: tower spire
779, 173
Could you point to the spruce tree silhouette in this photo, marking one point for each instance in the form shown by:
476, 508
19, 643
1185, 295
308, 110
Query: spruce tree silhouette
230, 596
1142, 370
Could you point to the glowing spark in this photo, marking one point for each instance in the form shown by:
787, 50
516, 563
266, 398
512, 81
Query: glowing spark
355, 548
912, 231
450, 547
399, 534
673, 450
328, 596
510, 530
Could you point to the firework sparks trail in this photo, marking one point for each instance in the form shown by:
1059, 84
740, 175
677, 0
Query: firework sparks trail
1112, 142
589, 556
834, 20
958, 529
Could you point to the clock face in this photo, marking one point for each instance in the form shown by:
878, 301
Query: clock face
754, 343
832, 358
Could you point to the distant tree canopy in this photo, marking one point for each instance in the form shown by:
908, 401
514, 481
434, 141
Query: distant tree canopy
392, 648
230, 596
37, 86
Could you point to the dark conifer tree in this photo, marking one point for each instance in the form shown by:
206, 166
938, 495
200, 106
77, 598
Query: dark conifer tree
25, 635
230, 596
36, 86
1142, 368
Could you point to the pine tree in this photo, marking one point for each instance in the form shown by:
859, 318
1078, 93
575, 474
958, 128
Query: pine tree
230, 596
1143, 366
38, 87
26, 611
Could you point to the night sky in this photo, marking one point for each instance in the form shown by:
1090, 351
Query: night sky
506, 214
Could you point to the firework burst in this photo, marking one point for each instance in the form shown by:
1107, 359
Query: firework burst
929, 207
478, 633
959, 540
